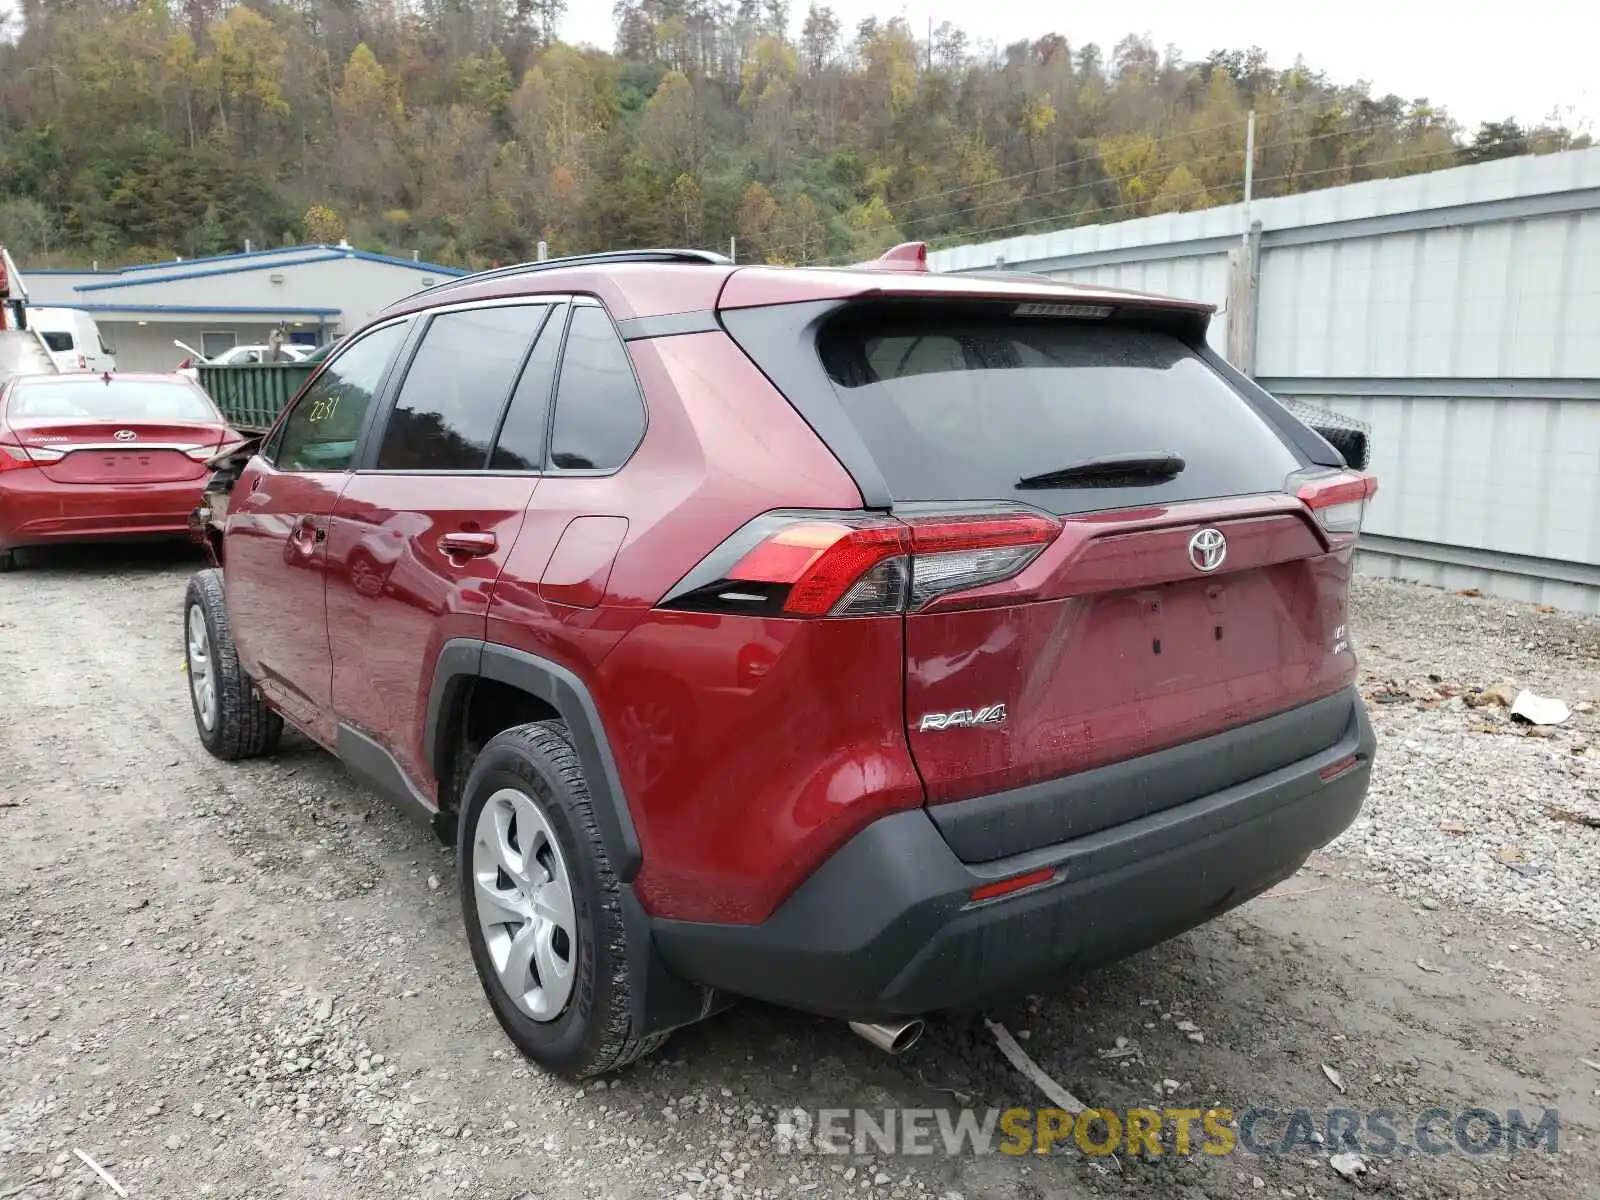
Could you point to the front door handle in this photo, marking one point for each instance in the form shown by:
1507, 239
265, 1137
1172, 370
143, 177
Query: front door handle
468, 543
307, 534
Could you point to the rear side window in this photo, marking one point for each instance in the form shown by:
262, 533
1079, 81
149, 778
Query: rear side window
456, 388
965, 406
599, 416
60, 342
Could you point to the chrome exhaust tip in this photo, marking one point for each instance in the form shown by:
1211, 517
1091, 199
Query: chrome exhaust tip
894, 1038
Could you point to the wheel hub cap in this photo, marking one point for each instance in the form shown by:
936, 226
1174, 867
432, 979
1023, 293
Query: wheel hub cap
523, 895
202, 676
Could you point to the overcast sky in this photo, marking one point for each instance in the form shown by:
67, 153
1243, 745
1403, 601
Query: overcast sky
1481, 60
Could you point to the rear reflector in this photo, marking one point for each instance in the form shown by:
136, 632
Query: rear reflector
813, 565
1004, 887
1339, 768
1339, 499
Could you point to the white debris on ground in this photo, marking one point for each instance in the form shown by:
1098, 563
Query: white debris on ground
1468, 803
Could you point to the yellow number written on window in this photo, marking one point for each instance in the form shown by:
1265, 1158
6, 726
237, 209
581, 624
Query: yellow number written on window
322, 409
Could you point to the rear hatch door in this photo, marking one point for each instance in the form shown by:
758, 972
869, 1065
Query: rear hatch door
1175, 602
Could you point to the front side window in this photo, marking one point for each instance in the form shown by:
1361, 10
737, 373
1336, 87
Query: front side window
456, 388
320, 433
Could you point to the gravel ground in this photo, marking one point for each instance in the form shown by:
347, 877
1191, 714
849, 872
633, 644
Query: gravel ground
1471, 806
250, 981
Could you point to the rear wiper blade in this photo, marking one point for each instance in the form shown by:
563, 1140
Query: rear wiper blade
1141, 466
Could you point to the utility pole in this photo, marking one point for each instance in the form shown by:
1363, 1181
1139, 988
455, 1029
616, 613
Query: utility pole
1244, 270
1249, 170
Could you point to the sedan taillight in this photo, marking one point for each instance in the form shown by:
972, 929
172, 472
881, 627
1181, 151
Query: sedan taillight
206, 453
15, 458
799, 564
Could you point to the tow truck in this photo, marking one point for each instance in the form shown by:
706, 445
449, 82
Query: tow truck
22, 350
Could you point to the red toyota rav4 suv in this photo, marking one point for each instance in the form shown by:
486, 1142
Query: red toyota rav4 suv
869, 641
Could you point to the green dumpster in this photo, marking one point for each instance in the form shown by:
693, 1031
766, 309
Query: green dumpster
251, 395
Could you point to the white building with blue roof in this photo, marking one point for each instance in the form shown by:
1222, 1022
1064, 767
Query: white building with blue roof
316, 292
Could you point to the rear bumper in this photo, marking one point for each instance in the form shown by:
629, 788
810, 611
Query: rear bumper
34, 511
886, 926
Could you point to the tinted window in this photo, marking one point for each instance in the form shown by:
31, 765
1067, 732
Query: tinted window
87, 397
320, 434
599, 413
962, 407
520, 446
59, 342
456, 389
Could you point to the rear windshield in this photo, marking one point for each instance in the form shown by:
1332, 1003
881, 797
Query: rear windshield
59, 342
119, 400
963, 407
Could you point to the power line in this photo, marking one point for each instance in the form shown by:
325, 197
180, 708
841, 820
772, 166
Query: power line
981, 234
1188, 162
1064, 222
1089, 158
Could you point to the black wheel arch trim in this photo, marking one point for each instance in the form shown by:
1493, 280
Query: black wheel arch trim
661, 1000
463, 660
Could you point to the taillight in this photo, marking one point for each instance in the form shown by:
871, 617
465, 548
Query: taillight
14, 458
83, 363
1339, 500
852, 565
819, 564
956, 554
206, 453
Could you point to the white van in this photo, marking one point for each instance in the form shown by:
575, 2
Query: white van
74, 339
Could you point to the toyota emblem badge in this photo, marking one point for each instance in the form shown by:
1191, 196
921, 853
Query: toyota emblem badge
1207, 549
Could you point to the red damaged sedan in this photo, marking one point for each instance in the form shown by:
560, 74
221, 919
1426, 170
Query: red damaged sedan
90, 457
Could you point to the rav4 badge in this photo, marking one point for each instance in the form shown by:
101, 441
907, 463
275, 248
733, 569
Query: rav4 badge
991, 714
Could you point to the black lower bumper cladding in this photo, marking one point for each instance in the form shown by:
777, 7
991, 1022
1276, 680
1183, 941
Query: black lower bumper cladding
887, 926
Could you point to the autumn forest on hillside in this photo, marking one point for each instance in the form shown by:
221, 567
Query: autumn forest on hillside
461, 130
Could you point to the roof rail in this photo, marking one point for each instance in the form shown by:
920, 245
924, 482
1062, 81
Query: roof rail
604, 257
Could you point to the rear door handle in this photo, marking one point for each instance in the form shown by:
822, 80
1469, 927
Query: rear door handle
468, 543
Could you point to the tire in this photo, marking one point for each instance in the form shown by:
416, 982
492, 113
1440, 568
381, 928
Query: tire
8, 561
530, 774
237, 723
